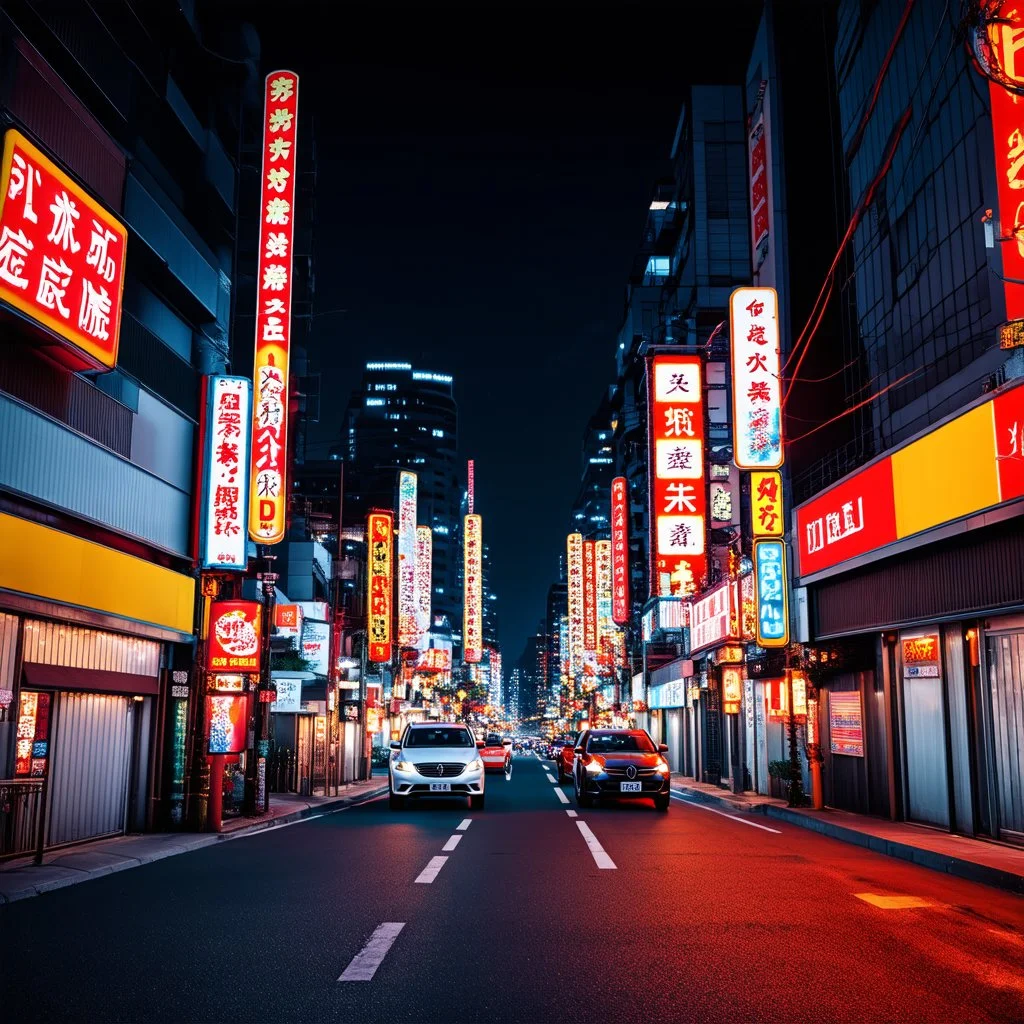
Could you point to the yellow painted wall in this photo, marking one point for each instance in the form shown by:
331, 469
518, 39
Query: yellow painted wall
47, 563
946, 474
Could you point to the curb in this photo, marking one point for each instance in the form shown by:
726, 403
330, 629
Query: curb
696, 796
957, 866
197, 841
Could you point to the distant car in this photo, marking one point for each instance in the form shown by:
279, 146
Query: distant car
622, 763
436, 760
555, 749
497, 754
564, 757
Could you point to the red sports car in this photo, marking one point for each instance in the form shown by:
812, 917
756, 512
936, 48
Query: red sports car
497, 754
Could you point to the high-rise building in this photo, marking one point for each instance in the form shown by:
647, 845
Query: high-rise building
126, 123
401, 418
590, 514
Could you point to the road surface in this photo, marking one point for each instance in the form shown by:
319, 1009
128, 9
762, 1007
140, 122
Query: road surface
528, 911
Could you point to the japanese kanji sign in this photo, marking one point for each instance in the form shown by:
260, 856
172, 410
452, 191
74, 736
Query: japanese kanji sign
589, 596
620, 550
771, 586
675, 412
472, 601
1008, 136
575, 601
233, 639
408, 623
224, 501
424, 574
380, 557
756, 387
61, 254
766, 504
269, 492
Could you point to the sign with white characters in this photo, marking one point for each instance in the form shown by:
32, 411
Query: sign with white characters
756, 383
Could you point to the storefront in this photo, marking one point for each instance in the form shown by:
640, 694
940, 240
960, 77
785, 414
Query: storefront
86, 637
926, 569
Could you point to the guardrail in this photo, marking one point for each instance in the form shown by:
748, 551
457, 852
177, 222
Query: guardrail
22, 817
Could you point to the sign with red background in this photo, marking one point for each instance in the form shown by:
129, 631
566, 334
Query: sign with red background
380, 561
62, 255
233, 639
620, 550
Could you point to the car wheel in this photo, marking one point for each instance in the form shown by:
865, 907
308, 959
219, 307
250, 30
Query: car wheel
661, 802
476, 803
395, 802
583, 798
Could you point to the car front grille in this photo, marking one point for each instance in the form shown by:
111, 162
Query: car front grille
440, 770
641, 773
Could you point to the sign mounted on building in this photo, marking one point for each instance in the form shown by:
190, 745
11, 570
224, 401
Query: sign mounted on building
269, 483
714, 618
620, 551
316, 646
289, 696
981, 452
756, 378
424, 577
472, 602
677, 487
408, 607
62, 255
380, 582
227, 718
589, 596
760, 192
288, 619
766, 504
575, 601
233, 638
771, 587
224, 501
846, 723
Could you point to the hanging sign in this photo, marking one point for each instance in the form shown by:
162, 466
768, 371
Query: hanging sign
473, 603
233, 638
756, 378
274, 309
424, 577
575, 603
408, 627
766, 504
589, 596
380, 537
620, 550
771, 585
226, 717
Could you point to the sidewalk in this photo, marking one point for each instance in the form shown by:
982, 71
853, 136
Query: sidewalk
976, 860
22, 878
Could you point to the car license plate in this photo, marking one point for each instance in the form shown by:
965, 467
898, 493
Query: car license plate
444, 787
629, 787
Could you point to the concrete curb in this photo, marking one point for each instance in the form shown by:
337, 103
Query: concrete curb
957, 866
116, 862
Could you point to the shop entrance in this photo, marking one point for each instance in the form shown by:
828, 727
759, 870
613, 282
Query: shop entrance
1005, 656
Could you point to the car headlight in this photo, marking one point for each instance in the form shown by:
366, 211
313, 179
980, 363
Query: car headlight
475, 765
595, 767
404, 766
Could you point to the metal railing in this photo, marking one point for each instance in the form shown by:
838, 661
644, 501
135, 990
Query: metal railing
22, 817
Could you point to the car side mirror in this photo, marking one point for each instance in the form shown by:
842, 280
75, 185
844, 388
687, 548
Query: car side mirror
480, 744
662, 748
395, 745
506, 743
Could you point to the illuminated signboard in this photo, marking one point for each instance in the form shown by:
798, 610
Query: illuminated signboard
1011, 335
981, 452
918, 649
603, 560
714, 618
62, 255
233, 639
227, 718
224, 501
776, 692
288, 618
408, 608
732, 690
473, 603
269, 491
575, 601
1007, 131
756, 373
760, 191
424, 576
846, 723
380, 536
766, 504
620, 550
589, 596
316, 646
677, 489
770, 583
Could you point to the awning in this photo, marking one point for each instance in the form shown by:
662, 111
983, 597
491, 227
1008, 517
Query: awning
57, 677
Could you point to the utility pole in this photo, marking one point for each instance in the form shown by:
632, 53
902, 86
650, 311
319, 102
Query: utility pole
256, 795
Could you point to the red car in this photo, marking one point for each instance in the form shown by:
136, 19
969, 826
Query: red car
564, 756
496, 754
622, 763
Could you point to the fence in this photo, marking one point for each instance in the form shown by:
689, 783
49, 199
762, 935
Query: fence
21, 817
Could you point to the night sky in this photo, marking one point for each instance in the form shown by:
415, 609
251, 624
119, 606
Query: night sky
483, 176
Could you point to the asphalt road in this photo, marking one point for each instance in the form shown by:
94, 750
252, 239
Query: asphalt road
694, 916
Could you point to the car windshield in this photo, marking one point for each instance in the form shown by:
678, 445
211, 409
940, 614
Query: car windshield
453, 737
493, 740
620, 742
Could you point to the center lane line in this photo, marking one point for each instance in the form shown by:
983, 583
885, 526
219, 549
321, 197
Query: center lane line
452, 843
571, 813
464, 824
733, 817
551, 779
561, 796
429, 873
596, 849
365, 963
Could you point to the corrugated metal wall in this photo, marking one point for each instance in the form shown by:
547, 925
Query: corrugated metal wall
1005, 656
976, 572
54, 643
90, 761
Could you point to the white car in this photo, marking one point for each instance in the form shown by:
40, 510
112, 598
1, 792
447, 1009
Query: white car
436, 759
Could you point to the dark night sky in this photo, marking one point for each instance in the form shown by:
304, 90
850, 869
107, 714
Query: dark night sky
482, 184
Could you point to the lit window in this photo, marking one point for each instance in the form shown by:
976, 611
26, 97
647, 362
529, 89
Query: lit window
437, 433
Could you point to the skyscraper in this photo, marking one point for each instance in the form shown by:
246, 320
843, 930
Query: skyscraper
401, 418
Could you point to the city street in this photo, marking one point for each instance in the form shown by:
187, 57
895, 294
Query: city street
525, 911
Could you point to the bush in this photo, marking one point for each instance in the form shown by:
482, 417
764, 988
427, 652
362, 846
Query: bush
780, 770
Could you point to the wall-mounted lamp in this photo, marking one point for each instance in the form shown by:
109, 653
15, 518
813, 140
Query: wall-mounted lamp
972, 647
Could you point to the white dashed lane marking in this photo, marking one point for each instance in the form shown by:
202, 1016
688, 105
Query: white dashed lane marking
561, 796
571, 813
601, 859
464, 824
429, 873
452, 843
365, 963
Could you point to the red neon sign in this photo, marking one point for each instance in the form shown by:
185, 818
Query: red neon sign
620, 550
589, 596
380, 560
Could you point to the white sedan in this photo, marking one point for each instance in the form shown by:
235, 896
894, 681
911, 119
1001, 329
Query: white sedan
436, 760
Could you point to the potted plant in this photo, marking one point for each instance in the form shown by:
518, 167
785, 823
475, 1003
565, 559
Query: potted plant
778, 779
